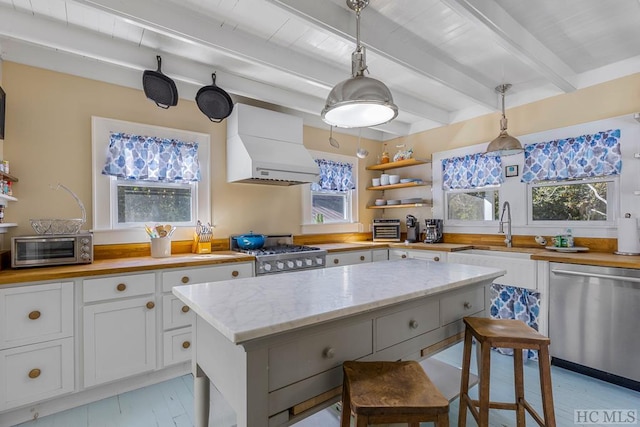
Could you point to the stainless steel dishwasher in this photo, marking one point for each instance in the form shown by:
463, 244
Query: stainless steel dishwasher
594, 321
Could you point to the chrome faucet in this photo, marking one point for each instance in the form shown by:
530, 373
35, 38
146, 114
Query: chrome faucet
506, 207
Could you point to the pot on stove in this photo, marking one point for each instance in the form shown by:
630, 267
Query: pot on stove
250, 241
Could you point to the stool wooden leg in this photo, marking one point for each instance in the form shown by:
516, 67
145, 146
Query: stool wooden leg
519, 386
544, 366
464, 381
485, 376
362, 421
345, 415
442, 421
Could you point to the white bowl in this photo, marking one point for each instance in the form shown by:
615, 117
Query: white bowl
394, 179
384, 179
381, 202
375, 182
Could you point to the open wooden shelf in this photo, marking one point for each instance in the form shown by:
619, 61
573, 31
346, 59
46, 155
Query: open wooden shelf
401, 185
8, 177
424, 203
398, 164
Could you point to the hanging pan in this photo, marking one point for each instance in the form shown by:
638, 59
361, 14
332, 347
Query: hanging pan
214, 102
159, 88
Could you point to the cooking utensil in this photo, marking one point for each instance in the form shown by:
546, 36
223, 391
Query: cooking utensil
250, 241
334, 142
214, 102
159, 87
361, 152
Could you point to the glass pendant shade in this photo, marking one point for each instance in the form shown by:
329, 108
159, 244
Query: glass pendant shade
504, 144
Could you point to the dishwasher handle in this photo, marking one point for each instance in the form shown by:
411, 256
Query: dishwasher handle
598, 275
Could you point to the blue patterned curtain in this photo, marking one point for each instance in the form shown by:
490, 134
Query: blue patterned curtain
510, 302
147, 158
584, 156
471, 171
334, 176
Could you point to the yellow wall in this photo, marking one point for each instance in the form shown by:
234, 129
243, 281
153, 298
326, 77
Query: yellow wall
48, 141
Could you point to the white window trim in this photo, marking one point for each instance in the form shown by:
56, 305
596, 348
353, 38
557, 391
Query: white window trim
103, 190
307, 226
459, 223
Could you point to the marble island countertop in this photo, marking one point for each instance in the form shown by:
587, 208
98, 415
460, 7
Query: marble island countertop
250, 308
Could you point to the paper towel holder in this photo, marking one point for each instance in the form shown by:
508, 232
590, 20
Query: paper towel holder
628, 215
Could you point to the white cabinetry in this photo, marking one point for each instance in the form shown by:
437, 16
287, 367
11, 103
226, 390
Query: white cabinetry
36, 343
379, 255
340, 259
521, 270
119, 335
417, 254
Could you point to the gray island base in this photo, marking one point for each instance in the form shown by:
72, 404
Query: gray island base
274, 345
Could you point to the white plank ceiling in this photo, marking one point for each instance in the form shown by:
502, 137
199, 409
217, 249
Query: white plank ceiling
441, 59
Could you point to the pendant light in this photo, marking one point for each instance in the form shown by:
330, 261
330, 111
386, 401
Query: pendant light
504, 144
359, 101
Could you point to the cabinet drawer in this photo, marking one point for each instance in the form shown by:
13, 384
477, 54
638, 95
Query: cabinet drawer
36, 313
177, 346
406, 324
426, 255
348, 258
320, 352
35, 372
379, 255
175, 313
108, 288
205, 274
454, 307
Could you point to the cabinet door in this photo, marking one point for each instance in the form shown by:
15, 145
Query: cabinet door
340, 259
119, 339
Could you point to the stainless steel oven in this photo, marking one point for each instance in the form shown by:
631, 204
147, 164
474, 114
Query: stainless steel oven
54, 249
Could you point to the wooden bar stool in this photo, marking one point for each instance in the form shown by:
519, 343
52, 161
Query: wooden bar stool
391, 392
513, 334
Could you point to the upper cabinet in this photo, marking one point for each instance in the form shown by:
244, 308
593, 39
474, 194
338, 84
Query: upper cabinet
405, 182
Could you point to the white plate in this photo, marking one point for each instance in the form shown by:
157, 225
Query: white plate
393, 202
571, 249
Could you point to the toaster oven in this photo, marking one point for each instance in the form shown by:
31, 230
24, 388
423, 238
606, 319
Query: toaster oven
386, 230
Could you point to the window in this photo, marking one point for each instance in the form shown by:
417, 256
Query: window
585, 201
331, 207
480, 204
139, 202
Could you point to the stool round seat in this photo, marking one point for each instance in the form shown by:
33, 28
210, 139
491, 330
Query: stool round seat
391, 392
513, 334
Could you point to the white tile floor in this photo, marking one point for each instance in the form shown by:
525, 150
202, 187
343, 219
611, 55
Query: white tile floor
170, 404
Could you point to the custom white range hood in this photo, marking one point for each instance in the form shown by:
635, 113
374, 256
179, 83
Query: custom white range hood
265, 147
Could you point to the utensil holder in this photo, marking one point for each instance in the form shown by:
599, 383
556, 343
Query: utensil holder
160, 247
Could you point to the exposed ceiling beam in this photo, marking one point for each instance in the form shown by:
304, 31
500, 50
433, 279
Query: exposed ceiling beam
516, 40
387, 40
179, 22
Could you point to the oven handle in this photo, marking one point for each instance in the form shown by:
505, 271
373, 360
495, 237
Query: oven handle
598, 275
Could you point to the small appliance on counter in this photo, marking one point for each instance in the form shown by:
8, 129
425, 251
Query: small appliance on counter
51, 249
413, 229
386, 230
433, 230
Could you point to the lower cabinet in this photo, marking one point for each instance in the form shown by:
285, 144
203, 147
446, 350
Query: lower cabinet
417, 254
177, 346
340, 259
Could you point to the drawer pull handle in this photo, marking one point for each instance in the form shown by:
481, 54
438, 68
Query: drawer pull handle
413, 324
34, 373
185, 279
34, 315
361, 257
185, 308
403, 256
186, 344
467, 305
150, 305
436, 258
235, 273
336, 261
328, 353
121, 287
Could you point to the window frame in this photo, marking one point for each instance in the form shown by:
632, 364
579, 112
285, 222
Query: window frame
613, 196
457, 222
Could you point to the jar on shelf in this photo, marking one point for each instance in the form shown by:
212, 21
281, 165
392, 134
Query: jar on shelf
385, 155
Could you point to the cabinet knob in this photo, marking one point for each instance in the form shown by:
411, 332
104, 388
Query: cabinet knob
150, 305
34, 373
328, 353
235, 273
467, 305
121, 287
35, 314
186, 344
185, 308
436, 258
403, 256
185, 279
336, 261
413, 324
361, 257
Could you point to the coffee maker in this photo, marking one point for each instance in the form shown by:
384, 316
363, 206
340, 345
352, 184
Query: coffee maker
413, 229
433, 231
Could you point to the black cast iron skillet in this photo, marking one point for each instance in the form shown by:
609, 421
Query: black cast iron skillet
159, 88
214, 102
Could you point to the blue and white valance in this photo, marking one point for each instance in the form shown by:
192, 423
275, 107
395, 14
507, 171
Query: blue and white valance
584, 156
148, 158
334, 176
471, 171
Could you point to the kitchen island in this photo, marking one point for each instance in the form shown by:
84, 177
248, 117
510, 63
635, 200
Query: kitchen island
274, 345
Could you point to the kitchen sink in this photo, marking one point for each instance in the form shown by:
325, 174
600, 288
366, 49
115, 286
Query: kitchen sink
496, 253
